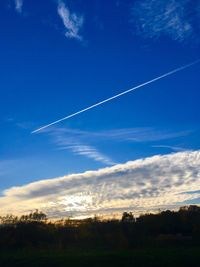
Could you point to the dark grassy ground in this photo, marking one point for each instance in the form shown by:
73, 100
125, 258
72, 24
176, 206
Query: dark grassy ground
151, 257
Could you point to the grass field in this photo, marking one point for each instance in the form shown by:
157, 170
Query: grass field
138, 257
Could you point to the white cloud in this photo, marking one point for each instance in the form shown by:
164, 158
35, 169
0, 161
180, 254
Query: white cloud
18, 5
140, 185
71, 21
174, 19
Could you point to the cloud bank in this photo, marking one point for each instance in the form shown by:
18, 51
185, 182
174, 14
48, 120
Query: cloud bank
71, 21
178, 20
140, 185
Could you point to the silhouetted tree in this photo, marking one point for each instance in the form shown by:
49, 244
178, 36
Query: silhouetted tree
128, 217
34, 230
37, 216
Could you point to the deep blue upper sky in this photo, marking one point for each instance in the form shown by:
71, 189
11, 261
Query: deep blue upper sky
49, 70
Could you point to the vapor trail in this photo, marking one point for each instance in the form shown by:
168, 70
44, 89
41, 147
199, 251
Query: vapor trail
118, 95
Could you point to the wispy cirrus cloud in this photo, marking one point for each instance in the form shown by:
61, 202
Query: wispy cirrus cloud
18, 5
85, 143
89, 152
177, 20
72, 22
173, 148
140, 185
74, 141
143, 134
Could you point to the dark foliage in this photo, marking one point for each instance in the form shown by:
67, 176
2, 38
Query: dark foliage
162, 229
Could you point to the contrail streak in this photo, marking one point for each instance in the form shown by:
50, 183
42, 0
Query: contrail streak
118, 95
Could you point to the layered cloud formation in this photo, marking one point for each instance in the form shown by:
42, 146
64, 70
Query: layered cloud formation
140, 185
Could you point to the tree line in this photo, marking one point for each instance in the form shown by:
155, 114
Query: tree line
165, 228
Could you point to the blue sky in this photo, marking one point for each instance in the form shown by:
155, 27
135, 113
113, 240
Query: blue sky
58, 57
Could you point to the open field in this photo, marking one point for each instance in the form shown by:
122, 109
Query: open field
138, 257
